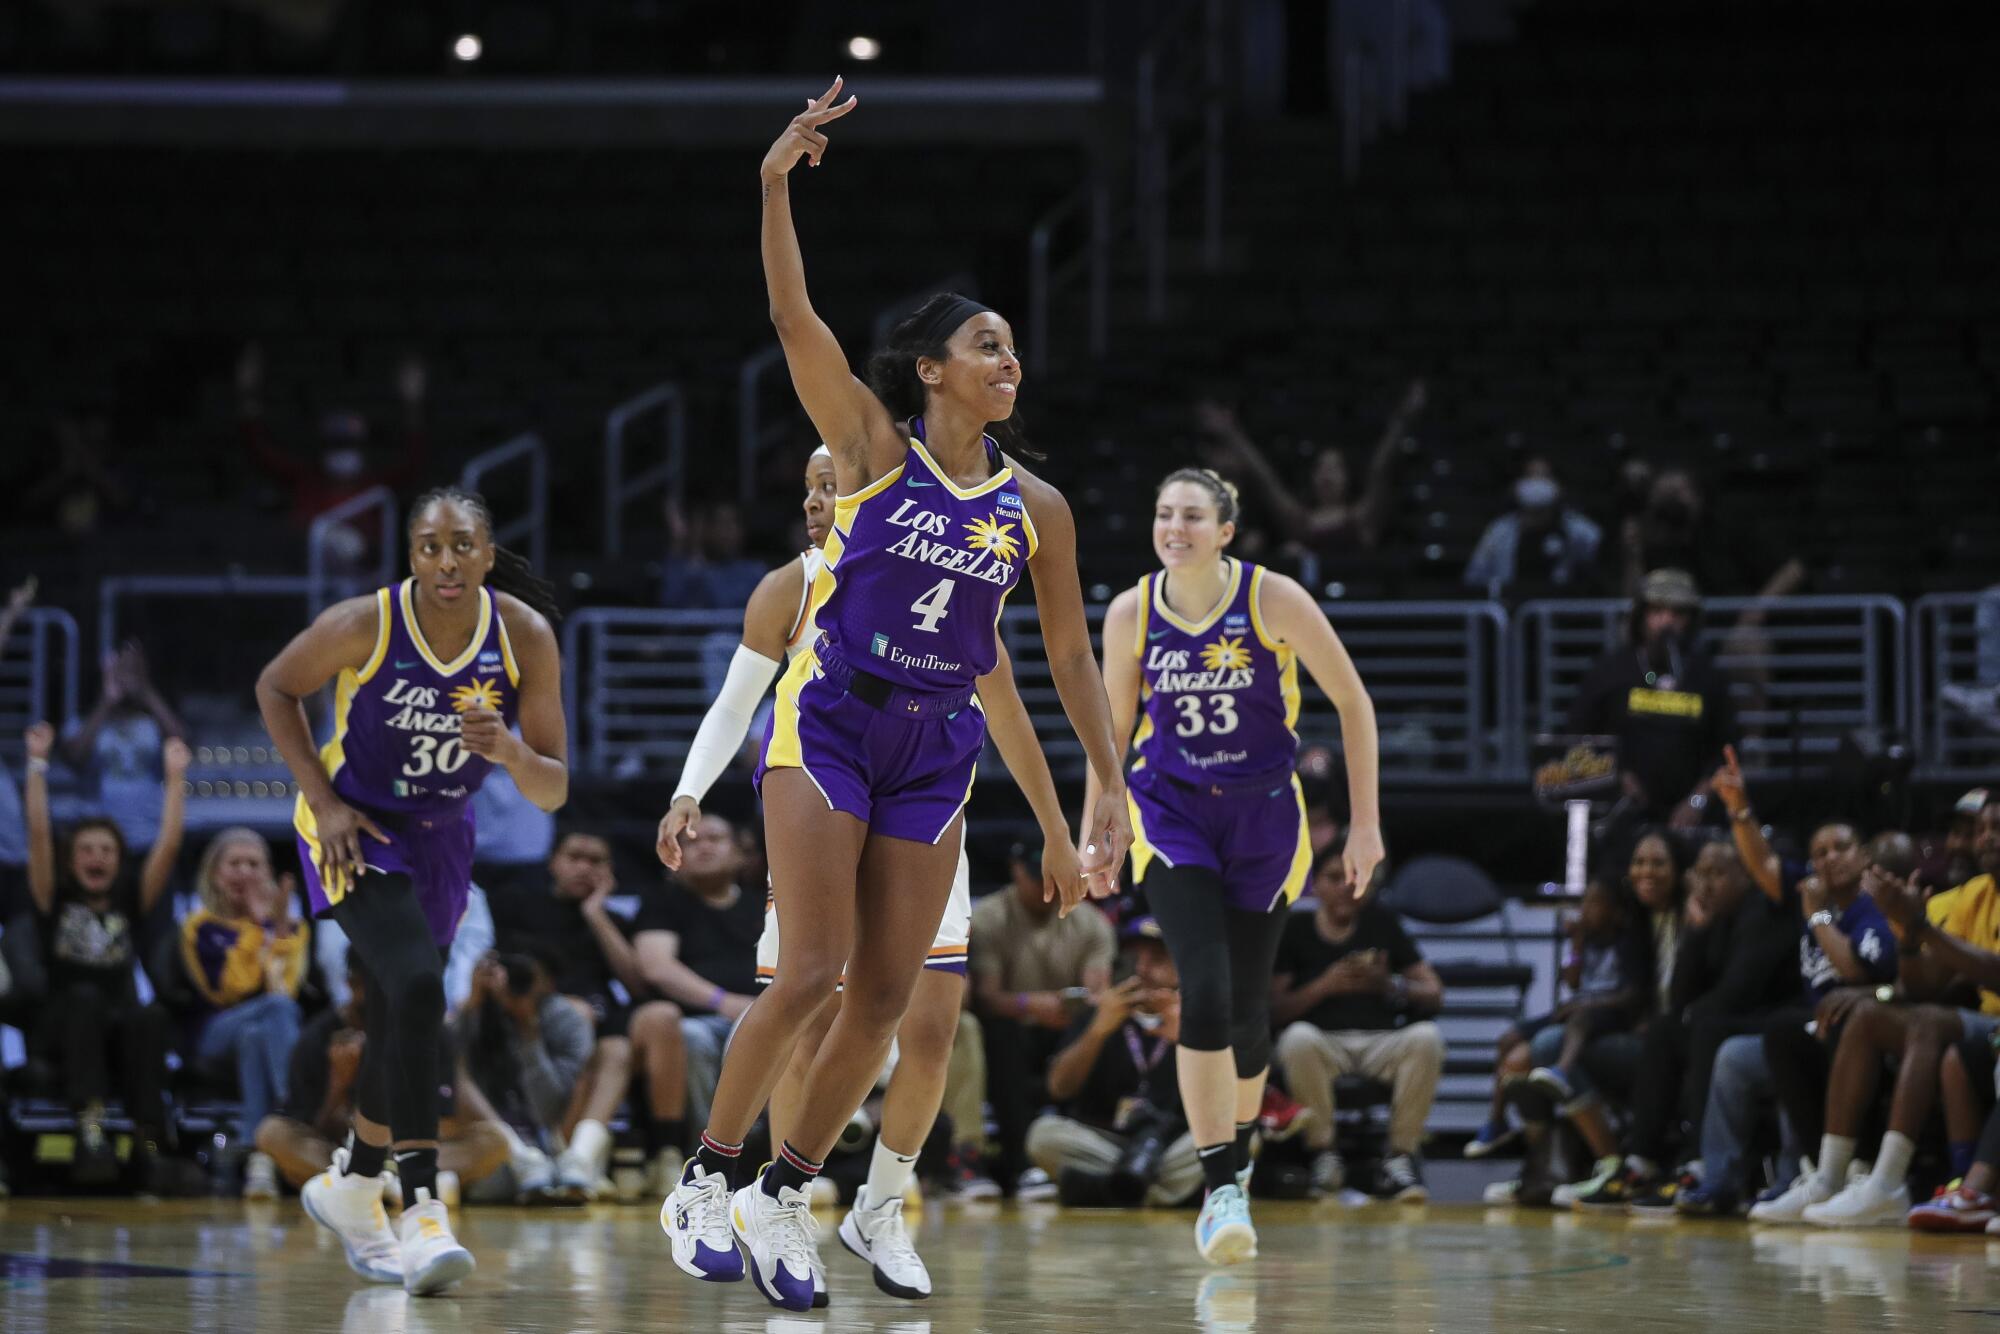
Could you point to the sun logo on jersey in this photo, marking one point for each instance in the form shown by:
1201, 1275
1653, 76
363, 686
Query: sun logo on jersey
989, 534
478, 695
1225, 655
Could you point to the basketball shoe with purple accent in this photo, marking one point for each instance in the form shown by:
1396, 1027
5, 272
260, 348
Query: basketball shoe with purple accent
778, 1234
695, 1217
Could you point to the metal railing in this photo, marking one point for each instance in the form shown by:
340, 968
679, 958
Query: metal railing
38, 673
1803, 670
753, 431
324, 564
534, 524
1954, 699
666, 475
639, 680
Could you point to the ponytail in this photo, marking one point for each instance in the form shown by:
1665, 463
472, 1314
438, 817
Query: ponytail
511, 572
891, 372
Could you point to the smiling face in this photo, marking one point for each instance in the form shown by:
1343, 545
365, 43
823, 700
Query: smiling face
95, 854
821, 491
980, 371
1837, 859
1652, 873
1186, 531
451, 553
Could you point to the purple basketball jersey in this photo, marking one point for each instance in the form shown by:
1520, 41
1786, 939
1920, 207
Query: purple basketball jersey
395, 743
920, 569
1219, 698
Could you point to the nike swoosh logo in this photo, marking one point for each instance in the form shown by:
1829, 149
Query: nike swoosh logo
401, 665
1155, 634
914, 482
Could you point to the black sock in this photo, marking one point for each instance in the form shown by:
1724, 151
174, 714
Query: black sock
1244, 1131
365, 1160
791, 1170
418, 1170
717, 1158
1218, 1165
668, 1133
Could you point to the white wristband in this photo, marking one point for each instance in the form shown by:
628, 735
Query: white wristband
37, 765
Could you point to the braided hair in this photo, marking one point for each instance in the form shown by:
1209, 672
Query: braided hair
511, 572
891, 373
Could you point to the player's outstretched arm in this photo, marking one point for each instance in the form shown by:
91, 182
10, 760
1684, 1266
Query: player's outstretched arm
857, 429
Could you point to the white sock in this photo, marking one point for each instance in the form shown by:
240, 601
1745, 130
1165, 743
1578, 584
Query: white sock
1835, 1153
1892, 1165
591, 1146
888, 1173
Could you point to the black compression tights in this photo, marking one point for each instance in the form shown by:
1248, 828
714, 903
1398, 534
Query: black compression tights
1225, 956
389, 941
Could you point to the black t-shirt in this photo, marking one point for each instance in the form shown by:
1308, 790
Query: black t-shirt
1132, 1064
718, 943
1304, 953
90, 945
524, 913
309, 1074
1670, 728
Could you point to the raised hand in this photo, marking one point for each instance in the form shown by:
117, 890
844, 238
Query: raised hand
175, 758
41, 741
679, 822
22, 596
803, 138
1728, 783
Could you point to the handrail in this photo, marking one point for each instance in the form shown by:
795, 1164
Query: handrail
379, 499
752, 432
534, 525
619, 491
34, 628
1954, 684
112, 589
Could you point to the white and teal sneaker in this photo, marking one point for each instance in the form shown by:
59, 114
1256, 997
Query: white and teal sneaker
1223, 1233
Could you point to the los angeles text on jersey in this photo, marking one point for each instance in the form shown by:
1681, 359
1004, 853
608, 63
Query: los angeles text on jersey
983, 562
418, 712
1173, 677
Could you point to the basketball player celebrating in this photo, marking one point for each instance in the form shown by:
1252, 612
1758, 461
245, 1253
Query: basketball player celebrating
778, 623
1206, 653
432, 673
869, 759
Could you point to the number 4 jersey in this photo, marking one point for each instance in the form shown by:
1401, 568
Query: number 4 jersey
396, 754
918, 569
1219, 698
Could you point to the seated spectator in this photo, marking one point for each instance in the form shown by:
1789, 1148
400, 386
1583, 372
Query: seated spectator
705, 564
587, 946
1957, 861
1349, 990
1120, 1137
1608, 968
115, 751
1030, 968
522, 1054
696, 946
244, 951
1330, 522
1665, 700
90, 906
1845, 939
1543, 548
1733, 963
1874, 1028
319, 1104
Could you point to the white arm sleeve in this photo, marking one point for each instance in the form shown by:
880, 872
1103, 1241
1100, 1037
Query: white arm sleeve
728, 720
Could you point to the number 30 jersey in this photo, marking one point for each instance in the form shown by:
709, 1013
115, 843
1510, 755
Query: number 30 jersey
918, 569
395, 744
1219, 699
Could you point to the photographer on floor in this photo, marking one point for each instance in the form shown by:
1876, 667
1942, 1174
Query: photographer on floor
1121, 1139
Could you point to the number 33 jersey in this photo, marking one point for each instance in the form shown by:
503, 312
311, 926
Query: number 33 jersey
396, 719
918, 569
1219, 698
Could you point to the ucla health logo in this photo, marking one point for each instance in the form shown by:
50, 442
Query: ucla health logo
1007, 500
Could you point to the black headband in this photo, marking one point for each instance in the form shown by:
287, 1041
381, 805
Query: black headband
945, 322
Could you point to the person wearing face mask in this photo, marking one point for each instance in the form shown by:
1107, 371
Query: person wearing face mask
342, 470
1666, 701
1543, 548
1675, 530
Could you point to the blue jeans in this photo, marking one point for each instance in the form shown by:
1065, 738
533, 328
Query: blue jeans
1737, 1093
257, 1036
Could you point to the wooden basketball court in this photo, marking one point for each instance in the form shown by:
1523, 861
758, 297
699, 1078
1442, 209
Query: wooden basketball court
222, 1266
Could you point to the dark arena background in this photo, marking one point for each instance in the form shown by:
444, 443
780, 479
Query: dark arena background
1620, 378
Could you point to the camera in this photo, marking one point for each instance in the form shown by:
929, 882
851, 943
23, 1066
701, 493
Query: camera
1148, 1130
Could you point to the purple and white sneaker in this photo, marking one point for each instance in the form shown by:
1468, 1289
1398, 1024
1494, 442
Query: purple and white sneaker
695, 1217
779, 1234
